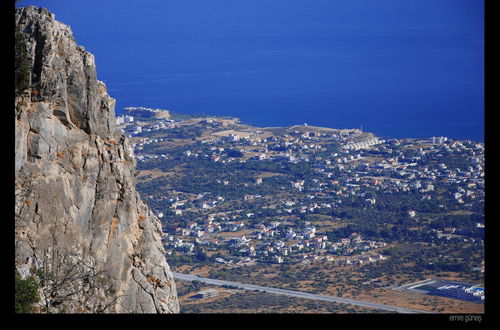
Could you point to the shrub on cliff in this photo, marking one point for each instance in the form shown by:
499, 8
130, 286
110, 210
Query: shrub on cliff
26, 294
22, 64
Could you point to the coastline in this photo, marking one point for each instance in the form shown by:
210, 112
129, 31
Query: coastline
417, 130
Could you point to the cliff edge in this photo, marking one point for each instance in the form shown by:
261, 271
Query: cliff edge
80, 226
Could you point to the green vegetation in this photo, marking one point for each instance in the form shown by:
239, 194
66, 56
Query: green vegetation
192, 287
22, 64
26, 294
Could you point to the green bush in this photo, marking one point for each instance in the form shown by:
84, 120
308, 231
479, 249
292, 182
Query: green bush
22, 63
26, 294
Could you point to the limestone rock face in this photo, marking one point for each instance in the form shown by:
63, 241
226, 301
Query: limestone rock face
80, 225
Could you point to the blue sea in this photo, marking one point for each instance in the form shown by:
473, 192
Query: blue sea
412, 68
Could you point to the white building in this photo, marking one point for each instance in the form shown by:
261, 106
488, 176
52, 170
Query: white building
209, 293
438, 139
119, 120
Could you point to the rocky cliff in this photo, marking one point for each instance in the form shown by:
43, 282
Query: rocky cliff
80, 226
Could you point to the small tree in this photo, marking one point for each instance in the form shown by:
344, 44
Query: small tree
201, 256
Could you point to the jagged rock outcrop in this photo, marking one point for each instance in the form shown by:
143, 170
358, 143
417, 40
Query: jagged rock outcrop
80, 225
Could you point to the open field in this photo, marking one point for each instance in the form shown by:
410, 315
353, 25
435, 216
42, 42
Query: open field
379, 296
333, 281
241, 301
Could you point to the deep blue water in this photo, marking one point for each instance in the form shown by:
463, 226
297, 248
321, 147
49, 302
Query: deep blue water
410, 68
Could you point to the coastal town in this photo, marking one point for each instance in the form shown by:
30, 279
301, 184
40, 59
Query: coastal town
232, 195
251, 157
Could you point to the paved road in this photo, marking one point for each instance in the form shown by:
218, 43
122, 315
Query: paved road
298, 294
411, 286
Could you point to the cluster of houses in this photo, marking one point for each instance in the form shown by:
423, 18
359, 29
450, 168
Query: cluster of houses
403, 173
363, 144
276, 242
138, 128
394, 172
360, 164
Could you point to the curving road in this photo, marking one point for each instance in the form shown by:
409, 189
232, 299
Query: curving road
299, 294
